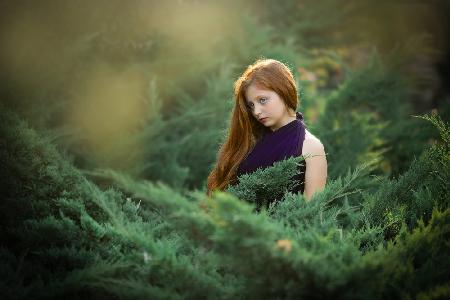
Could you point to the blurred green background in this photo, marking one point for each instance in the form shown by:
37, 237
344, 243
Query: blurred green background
145, 87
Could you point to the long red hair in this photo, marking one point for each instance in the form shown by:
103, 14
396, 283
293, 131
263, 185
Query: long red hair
244, 129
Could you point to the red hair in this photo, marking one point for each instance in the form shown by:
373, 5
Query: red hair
244, 130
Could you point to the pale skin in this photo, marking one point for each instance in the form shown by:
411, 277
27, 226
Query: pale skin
269, 109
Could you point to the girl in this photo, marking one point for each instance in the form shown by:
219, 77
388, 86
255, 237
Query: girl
265, 128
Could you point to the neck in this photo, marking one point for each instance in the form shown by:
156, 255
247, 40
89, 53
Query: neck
285, 121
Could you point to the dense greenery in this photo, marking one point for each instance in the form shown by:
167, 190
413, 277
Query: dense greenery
63, 236
111, 118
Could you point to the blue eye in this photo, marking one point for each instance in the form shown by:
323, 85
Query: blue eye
263, 100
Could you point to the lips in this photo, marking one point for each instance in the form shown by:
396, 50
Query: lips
263, 119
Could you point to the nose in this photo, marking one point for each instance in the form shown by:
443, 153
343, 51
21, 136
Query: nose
257, 110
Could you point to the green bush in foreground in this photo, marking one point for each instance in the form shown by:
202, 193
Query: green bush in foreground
359, 238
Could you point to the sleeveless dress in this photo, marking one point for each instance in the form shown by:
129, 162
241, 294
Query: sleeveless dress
273, 146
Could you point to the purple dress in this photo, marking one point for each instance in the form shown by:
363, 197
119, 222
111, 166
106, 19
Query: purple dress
285, 142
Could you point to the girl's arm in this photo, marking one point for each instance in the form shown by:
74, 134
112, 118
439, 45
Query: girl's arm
316, 166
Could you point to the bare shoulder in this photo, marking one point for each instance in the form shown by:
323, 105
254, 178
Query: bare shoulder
316, 165
312, 145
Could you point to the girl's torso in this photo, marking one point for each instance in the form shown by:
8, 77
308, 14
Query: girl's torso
278, 145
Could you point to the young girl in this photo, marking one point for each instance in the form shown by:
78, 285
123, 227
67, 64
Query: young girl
265, 128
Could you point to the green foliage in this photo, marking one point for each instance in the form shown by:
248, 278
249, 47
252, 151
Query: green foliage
56, 235
415, 193
181, 148
333, 207
73, 240
367, 118
379, 229
265, 186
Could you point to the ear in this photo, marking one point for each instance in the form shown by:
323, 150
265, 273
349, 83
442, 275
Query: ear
290, 110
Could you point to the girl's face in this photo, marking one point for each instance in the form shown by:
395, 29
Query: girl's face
267, 107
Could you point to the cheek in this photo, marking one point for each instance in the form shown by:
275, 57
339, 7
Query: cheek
277, 106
